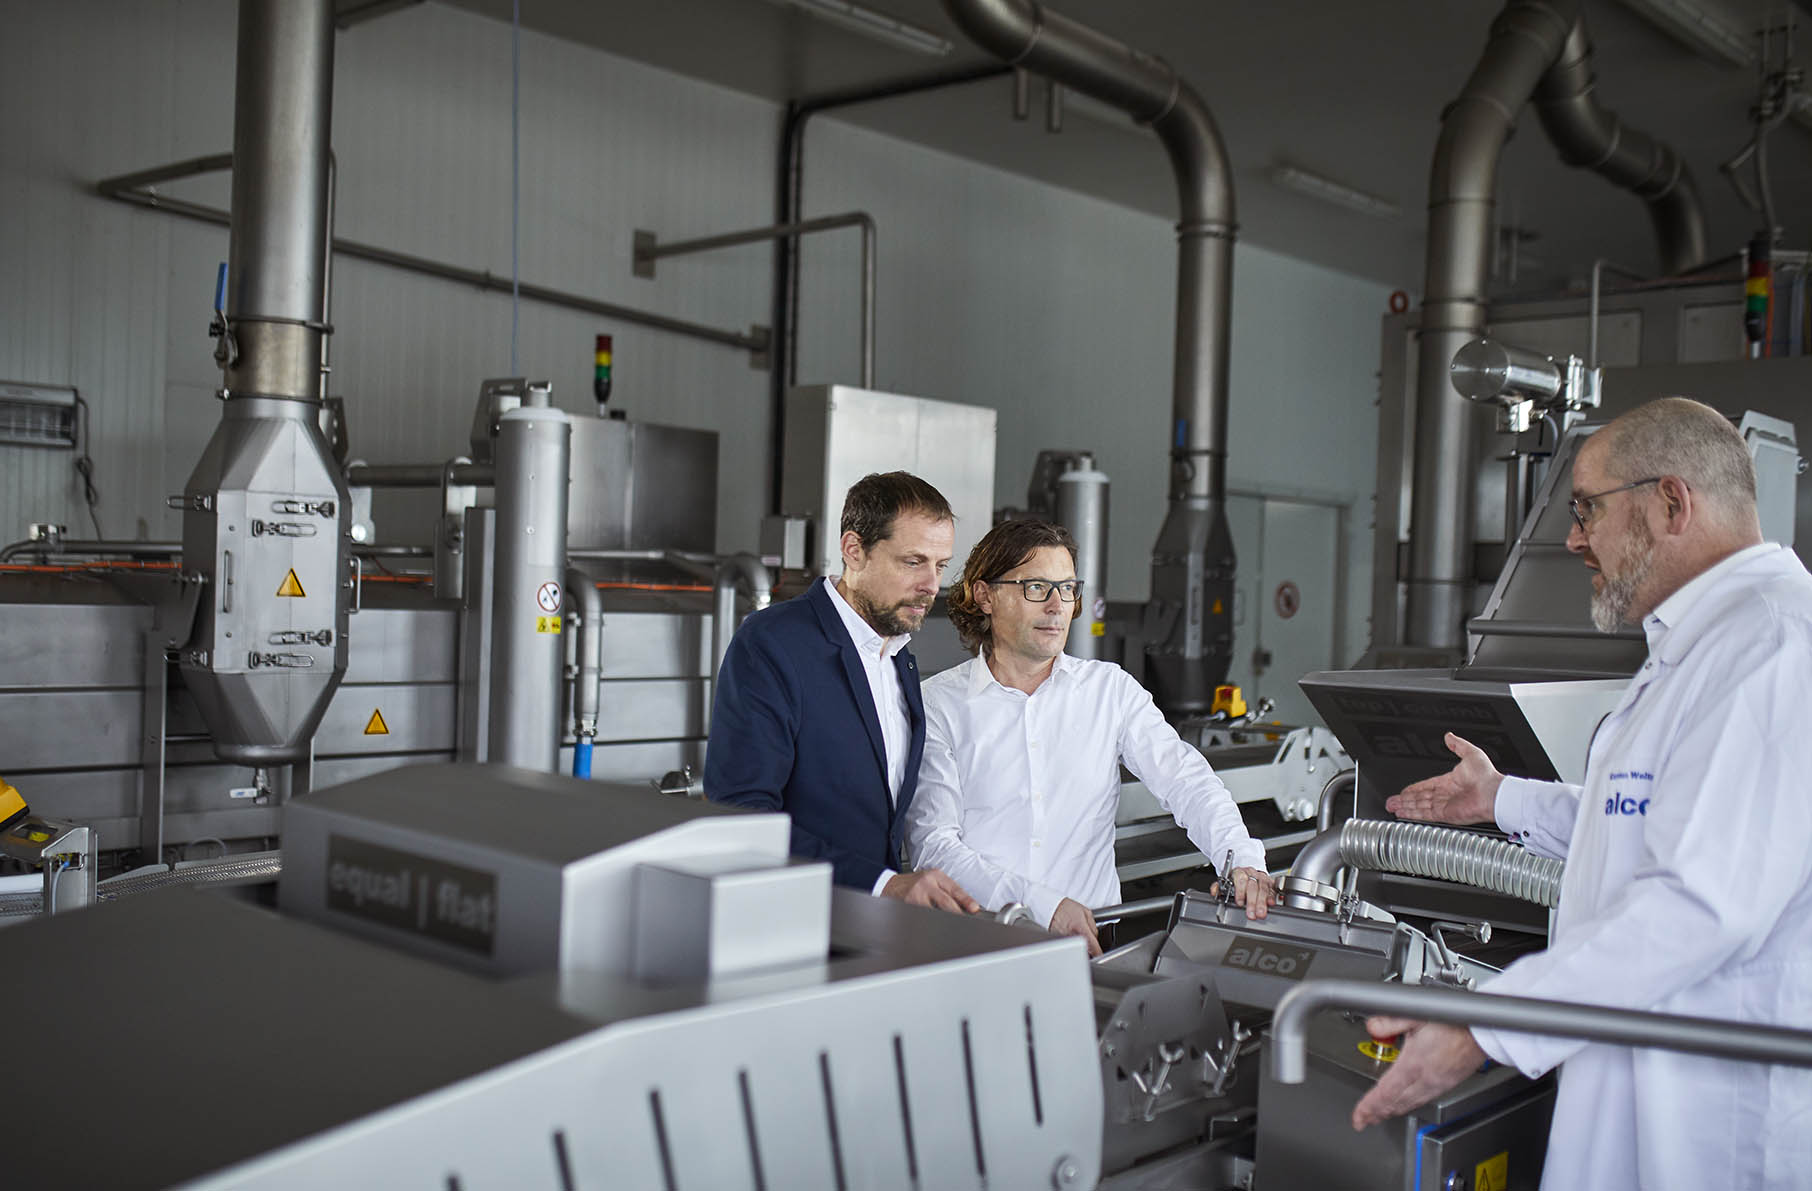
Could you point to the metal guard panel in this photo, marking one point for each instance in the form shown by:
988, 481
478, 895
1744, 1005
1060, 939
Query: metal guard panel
970, 1072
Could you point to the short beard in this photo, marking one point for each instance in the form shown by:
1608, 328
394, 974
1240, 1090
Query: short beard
885, 621
1612, 601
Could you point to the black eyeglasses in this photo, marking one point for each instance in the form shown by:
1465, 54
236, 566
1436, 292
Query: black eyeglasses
1038, 591
1583, 507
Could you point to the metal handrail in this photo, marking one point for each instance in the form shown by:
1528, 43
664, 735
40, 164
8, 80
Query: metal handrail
1526, 1015
135, 188
648, 249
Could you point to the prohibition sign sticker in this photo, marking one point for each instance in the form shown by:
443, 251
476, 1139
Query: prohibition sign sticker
549, 596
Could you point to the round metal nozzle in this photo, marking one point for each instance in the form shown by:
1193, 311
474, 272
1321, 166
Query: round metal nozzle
1486, 370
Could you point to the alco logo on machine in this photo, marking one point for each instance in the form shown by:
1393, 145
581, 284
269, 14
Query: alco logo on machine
1291, 963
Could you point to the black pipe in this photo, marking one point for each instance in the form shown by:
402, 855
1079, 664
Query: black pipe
783, 339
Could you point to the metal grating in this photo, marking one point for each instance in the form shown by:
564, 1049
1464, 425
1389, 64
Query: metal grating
37, 415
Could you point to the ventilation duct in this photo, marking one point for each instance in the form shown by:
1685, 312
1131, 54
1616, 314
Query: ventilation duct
1190, 625
1538, 49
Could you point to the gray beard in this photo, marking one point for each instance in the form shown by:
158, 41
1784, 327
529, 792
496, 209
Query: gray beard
1611, 602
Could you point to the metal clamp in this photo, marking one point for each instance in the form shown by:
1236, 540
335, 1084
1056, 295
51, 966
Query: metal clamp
282, 661
283, 529
306, 508
1221, 1065
302, 637
1169, 1055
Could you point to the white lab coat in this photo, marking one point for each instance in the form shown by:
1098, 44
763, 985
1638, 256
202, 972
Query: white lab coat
1688, 890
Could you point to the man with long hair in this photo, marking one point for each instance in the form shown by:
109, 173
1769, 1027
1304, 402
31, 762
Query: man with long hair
1023, 748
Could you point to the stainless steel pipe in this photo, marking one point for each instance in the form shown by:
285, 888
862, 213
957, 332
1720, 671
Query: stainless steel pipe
1192, 559
1082, 509
1591, 137
582, 593
533, 459
281, 125
1525, 40
418, 475
80, 547
649, 252
1526, 1015
742, 571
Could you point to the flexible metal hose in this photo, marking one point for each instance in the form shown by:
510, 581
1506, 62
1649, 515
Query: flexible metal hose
1424, 850
243, 870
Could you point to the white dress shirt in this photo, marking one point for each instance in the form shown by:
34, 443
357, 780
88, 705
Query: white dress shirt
890, 700
1017, 792
1688, 890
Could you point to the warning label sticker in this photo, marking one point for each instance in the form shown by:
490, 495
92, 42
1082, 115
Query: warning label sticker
375, 726
291, 586
547, 624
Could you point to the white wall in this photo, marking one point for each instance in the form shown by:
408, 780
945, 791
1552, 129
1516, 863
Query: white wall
1054, 308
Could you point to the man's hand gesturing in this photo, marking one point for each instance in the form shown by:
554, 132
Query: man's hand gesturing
1467, 793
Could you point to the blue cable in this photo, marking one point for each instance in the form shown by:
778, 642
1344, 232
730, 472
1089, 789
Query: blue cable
582, 757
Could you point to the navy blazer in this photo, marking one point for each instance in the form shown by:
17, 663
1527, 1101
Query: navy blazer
794, 729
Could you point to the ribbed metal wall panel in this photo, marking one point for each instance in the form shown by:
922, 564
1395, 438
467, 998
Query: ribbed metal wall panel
1054, 308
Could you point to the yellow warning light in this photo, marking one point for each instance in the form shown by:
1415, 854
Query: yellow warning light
292, 586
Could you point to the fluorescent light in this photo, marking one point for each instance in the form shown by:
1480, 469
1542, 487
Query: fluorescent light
1707, 33
1329, 191
870, 23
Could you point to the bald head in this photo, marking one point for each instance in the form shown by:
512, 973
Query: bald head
1677, 436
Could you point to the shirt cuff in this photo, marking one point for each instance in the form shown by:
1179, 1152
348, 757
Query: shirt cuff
1250, 854
1511, 810
1496, 1047
887, 875
1042, 901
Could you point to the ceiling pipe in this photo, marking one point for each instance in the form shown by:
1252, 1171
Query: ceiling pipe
1591, 137
1526, 38
1189, 632
1538, 50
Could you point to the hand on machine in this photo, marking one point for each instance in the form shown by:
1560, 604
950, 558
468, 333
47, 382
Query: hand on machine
1252, 890
1073, 918
930, 887
1434, 1057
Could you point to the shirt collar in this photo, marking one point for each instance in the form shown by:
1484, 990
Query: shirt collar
981, 678
860, 631
1669, 613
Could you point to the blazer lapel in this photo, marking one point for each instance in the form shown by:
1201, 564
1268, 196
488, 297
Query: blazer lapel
838, 634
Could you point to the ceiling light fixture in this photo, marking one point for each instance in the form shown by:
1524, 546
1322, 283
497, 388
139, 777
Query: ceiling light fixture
1711, 35
1329, 191
873, 24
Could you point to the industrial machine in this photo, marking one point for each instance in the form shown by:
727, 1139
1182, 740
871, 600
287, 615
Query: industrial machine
480, 975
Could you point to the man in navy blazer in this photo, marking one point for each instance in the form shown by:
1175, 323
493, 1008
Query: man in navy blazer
817, 710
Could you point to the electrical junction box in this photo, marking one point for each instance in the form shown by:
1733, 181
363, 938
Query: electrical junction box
836, 434
507, 871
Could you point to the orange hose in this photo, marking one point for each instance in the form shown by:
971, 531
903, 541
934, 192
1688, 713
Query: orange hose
98, 564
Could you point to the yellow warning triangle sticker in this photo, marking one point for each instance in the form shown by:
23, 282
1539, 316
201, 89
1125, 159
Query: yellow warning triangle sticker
292, 586
375, 726
1217, 603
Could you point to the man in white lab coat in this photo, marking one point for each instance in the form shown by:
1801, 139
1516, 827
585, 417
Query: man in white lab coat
1688, 886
